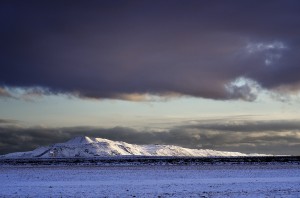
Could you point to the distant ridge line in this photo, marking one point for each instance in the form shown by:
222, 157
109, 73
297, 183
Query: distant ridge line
87, 147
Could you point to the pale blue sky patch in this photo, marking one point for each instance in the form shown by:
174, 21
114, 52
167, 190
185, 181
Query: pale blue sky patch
61, 110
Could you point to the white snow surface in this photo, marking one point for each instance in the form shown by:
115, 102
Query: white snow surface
213, 181
84, 146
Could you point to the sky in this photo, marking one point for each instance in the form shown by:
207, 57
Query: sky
221, 75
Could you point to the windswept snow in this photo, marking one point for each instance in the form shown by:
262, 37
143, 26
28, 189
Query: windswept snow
151, 181
92, 147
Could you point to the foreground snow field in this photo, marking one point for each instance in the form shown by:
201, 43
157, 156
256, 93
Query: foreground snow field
151, 181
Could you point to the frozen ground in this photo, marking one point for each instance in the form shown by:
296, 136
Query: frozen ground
151, 181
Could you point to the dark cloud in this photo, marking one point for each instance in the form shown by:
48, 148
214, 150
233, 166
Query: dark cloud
271, 137
248, 126
5, 121
111, 49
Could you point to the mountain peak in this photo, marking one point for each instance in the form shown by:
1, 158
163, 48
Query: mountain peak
80, 140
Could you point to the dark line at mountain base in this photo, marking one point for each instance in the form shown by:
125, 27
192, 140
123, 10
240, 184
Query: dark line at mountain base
144, 160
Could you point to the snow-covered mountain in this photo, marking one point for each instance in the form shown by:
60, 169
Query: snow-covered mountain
92, 147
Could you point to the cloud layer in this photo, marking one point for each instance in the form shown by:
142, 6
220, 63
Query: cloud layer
270, 137
124, 49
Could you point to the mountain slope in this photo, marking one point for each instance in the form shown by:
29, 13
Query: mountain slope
92, 147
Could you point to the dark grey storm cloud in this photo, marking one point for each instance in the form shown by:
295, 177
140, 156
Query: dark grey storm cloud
271, 137
248, 126
109, 49
4, 121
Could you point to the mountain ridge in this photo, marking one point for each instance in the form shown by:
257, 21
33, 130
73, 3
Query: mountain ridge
84, 146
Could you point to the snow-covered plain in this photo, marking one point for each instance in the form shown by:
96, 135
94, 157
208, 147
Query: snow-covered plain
273, 180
